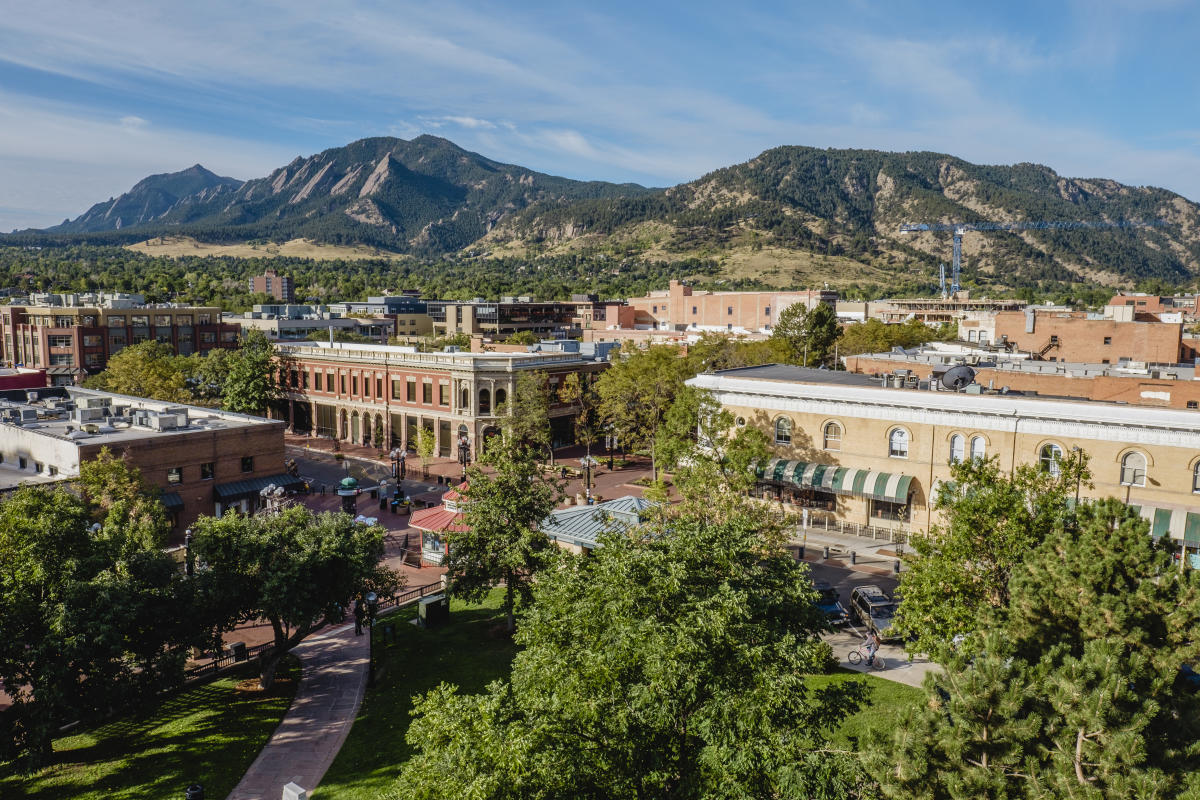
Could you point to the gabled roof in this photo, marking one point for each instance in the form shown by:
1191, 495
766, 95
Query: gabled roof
582, 525
437, 520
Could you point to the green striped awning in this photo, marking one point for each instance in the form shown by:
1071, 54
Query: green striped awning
1177, 523
889, 486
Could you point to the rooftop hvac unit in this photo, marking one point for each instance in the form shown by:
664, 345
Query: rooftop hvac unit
29, 415
86, 414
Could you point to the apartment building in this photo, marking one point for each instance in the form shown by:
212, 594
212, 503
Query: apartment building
71, 342
509, 315
681, 308
1118, 334
204, 460
850, 449
278, 286
383, 395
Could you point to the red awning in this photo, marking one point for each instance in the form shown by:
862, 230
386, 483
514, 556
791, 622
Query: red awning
437, 520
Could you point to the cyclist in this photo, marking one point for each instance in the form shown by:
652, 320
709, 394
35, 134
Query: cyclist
872, 643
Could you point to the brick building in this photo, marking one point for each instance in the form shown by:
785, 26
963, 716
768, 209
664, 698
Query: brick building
1077, 336
857, 453
278, 286
383, 395
74, 341
509, 315
204, 460
681, 308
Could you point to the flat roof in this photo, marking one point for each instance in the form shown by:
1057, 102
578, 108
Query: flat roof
788, 372
1005, 362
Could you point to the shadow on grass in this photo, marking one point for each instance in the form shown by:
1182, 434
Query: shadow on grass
470, 652
208, 734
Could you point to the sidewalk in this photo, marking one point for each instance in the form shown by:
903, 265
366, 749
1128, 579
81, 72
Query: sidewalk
870, 555
332, 684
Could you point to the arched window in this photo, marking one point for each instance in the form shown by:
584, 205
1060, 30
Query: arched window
485, 401
783, 431
833, 436
1196, 478
501, 397
898, 443
1133, 470
1050, 458
958, 448
466, 398
978, 448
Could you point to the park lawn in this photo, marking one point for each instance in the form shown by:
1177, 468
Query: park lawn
209, 734
470, 652
887, 706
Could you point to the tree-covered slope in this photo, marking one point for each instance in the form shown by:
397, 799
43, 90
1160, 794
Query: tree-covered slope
852, 202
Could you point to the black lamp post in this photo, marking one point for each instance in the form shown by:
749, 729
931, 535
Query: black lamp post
610, 444
395, 454
464, 455
372, 604
189, 566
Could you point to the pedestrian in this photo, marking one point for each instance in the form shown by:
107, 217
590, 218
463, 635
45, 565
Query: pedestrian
359, 613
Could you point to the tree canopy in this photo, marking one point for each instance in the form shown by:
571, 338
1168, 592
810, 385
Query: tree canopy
293, 568
636, 393
669, 663
807, 337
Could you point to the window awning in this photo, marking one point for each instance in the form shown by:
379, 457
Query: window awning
236, 490
1178, 523
171, 501
890, 486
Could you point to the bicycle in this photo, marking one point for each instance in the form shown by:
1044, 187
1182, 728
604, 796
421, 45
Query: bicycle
859, 654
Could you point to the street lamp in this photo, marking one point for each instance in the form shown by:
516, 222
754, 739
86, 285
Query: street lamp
395, 455
464, 455
188, 565
610, 444
372, 604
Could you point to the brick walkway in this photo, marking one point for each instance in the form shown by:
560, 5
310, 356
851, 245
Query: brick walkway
301, 749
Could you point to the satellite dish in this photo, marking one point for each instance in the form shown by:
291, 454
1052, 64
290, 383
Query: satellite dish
958, 378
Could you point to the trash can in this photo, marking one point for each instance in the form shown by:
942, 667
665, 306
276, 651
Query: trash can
194, 792
238, 650
433, 611
374, 493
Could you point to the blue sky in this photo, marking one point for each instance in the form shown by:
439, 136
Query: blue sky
95, 96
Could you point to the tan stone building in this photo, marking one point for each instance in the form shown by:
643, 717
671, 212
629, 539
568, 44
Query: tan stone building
854, 451
681, 308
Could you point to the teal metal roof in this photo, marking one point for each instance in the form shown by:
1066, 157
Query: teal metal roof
582, 525
236, 490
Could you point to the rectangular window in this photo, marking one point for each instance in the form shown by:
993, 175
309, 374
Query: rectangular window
116, 322
896, 512
342, 383
444, 395
367, 386
427, 392
247, 463
729, 311
379, 387
1108, 340
693, 311
208, 337
61, 359
411, 391
293, 378
353, 384
63, 322
62, 341
140, 320
206, 471
93, 359
304, 379
318, 381
183, 319
396, 392
163, 320
767, 311
229, 336
204, 319
175, 475
117, 338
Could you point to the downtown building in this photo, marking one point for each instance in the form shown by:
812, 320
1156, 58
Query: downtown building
71, 338
858, 451
382, 395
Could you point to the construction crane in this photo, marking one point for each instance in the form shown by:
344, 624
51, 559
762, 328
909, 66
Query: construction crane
959, 228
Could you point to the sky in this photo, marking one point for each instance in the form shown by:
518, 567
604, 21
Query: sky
95, 96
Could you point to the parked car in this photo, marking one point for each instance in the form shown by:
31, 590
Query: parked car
829, 604
874, 609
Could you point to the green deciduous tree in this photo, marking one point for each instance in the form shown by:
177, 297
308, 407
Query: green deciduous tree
293, 569
91, 620
670, 663
807, 337
147, 369
874, 336
122, 501
992, 521
636, 393
1072, 689
525, 417
502, 543
426, 444
250, 381
579, 390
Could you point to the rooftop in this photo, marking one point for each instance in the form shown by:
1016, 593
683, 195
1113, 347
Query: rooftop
88, 416
981, 358
381, 353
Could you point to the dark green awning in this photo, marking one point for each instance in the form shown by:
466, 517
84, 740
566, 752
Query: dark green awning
237, 490
890, 486
172, 501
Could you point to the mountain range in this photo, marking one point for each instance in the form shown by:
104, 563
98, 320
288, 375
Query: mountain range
792, 215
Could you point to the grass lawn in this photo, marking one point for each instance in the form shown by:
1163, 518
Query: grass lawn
887, 703
470, 652
208, 734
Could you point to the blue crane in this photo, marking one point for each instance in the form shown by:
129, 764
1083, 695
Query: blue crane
959, 228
